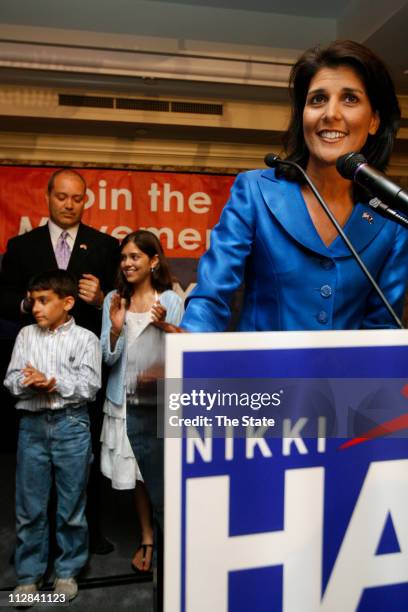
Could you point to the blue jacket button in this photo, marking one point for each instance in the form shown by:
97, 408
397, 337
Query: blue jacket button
326, 291
322, 317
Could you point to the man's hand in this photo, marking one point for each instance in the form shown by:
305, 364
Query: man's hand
90, 290
36, 379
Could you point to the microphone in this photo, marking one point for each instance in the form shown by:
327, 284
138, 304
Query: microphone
388, 212
354, 167
273, 160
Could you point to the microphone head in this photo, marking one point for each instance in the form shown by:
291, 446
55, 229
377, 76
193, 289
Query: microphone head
272, 160
347, 164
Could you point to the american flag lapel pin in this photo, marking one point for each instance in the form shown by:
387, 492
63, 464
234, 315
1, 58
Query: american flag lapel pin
366, 215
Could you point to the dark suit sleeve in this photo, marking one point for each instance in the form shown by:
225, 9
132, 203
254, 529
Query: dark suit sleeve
111, 261
13, 282
97, 254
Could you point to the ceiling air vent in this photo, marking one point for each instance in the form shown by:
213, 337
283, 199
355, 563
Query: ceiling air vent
198, 108
88, 101
143, 104
148, 105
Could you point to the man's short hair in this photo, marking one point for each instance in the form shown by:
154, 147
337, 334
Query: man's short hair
55, 174
61, 282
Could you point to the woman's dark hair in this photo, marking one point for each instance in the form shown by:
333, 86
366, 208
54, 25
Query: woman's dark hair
379, 88
149, 244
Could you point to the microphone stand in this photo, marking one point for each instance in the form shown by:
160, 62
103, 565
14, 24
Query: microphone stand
273, 160
387, 211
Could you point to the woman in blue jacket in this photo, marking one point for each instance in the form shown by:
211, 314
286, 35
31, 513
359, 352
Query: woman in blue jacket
274, 236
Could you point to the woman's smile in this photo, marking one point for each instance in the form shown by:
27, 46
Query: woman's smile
331, 135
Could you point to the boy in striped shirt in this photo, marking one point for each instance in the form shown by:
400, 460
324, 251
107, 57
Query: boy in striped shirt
55, 369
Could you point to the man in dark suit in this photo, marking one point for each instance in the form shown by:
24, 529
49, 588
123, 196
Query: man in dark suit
93, 258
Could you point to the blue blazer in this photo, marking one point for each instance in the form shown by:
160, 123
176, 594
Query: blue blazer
266, 238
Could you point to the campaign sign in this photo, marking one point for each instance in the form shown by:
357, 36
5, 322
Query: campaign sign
299, 522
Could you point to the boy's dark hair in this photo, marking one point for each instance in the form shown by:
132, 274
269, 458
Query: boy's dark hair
55, 174
149, 244
61, 282
379, 87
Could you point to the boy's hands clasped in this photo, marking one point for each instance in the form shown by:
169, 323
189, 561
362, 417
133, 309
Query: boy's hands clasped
36, 379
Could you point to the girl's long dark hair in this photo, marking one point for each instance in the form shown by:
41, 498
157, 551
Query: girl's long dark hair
149, 244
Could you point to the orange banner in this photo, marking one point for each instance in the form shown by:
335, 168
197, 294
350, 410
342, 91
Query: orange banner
180, 208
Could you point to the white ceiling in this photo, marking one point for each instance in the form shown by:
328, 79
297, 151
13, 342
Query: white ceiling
125, 15
309, 8
269, 31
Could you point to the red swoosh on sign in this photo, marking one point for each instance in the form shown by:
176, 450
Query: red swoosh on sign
385, 429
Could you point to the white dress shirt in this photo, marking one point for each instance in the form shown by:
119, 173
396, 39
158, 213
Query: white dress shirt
71, 354
55, 232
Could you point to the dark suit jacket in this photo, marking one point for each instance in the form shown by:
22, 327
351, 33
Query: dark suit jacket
32, 253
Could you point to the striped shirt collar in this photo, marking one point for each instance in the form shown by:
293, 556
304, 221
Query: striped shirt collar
61, 329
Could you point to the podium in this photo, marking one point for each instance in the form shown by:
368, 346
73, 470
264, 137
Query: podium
314, 516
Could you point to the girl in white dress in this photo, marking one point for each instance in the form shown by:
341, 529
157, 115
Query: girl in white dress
134, 347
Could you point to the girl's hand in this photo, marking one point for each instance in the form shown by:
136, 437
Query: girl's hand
169, 328
158, 312
147, 380
147, 377
117, 313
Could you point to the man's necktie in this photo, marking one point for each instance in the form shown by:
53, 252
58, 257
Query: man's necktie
62, 251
